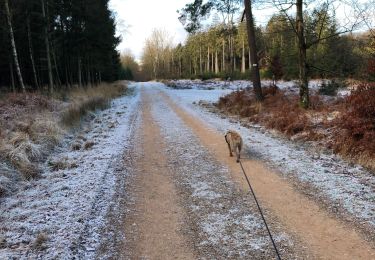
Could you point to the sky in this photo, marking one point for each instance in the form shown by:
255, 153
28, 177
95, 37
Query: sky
137, 18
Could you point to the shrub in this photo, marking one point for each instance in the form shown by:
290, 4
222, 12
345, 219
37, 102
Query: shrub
357, 137
207, 75
283, 113
371, 68
330, 88
238, 102
277, 111
265, 73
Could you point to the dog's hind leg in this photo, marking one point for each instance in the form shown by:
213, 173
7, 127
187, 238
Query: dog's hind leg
230, 149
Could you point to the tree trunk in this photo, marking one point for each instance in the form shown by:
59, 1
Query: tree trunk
67, 83
56, 68
243, 68
46, 42
89, 80
223, 64
12, 76
13, 43
180, 71
208, 60
231, 54
216, 63
200, 60
79, 72
250, 66
254, 58
31, 52
303, 82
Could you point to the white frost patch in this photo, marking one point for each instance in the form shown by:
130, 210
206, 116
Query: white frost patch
349, 187
69, 206
203, 190
240, 84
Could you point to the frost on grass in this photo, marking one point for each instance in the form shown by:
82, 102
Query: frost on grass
61, 215
349, 188
228, 223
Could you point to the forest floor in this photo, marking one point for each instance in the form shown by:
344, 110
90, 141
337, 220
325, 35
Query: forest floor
157, 183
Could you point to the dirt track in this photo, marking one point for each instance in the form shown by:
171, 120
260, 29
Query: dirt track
159, 217
173, 218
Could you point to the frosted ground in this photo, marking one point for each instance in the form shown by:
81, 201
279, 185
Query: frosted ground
346, 186
228, 224
64, 212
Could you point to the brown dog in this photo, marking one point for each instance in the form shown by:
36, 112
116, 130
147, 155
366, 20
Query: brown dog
234, 142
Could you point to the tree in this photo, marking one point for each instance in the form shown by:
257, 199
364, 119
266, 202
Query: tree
129, 65
253, 51
47, 45
194, 13
156, 54
302, 48
13, 44
299, 28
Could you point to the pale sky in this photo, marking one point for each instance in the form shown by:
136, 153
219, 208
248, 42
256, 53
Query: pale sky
142, 16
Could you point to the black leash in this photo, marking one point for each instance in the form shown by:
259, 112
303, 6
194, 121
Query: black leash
261, 213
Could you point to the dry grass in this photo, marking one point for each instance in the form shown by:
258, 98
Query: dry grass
62, 164
345, 125
91, 99
88, 145
3, 242
40, 242
356, 135
31, 125
73, 115
76, 146
278, 111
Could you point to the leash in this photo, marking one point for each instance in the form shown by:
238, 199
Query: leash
260, 211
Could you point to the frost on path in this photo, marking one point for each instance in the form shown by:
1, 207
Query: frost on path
348, 188
68, 207
226, 222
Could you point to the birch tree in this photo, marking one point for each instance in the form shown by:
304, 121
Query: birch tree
13, 44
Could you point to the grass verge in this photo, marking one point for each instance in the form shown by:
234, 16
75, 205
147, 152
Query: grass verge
31, 125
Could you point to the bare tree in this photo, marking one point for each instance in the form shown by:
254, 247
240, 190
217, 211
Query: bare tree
156, 53
13, 44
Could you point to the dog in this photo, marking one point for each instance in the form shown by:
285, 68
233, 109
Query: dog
235, 143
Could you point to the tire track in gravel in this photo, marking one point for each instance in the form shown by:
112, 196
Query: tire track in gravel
326, 237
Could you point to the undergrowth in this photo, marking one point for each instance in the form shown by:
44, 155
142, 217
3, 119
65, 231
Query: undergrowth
31, 125
90, 99
346, 125
356, 138
278, 110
